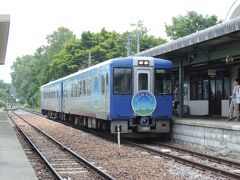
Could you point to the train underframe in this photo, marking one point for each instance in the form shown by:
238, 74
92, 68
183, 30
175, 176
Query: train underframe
138, 125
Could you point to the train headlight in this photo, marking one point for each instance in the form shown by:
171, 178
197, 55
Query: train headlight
140, 62
143, 62
146, 63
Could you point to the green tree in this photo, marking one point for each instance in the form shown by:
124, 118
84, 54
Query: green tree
65, 54
145, 41
24, 78
7, 94
188, 24
32, 71
45, 54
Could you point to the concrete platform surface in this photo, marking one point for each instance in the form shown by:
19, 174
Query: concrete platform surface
13, 161
210, 122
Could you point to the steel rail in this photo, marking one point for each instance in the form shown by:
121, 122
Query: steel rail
214, 158
83, 160
55, 173
194, 164
182, 160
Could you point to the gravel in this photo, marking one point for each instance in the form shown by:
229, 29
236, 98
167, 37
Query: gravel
122, 163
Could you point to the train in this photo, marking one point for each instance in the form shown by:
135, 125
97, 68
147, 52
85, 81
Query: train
128, 94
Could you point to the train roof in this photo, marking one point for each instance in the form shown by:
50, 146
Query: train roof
110, 61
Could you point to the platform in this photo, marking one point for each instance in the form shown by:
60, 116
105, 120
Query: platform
13, 161
216, 133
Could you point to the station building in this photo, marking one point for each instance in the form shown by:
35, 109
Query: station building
4, 31
205, 64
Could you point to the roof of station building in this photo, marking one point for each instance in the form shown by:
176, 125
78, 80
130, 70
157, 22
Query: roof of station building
219, 34
4, 32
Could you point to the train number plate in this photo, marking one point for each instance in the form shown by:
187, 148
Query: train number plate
144, 128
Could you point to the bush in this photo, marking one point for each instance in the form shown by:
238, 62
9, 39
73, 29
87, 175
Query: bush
26, 105
2, 104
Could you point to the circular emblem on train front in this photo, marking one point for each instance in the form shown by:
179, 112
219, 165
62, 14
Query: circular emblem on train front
143, 103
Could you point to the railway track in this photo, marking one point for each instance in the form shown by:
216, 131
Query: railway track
185, 156
202, 155
63, 162
227, 168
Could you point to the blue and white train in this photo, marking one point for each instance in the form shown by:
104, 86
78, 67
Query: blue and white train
132, 93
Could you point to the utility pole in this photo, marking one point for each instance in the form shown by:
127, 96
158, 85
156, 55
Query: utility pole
89, 59
7, 98
129, 49
137, 35
138, 42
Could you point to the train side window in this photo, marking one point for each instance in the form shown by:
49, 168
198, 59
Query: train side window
71, 90
89, 87
107, 83
75, 89
122, 80
84, 87
163, 81
107, 79
143, 81
80, 88
103, 84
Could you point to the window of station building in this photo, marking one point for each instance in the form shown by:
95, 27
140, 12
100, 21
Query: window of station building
122, 82
199, 89
196, 88
163, 81
205, 89
226, 87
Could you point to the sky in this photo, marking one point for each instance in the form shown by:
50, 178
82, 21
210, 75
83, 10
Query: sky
32, 20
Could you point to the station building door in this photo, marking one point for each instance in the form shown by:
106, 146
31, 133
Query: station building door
215, 96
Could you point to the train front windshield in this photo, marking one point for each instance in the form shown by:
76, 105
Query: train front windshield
163, 81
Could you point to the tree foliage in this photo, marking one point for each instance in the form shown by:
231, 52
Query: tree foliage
188, 24
32, 71
7, 94
65, 54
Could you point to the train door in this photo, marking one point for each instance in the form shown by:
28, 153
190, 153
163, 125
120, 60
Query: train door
61, 96
143, 79
64, 96
107, 101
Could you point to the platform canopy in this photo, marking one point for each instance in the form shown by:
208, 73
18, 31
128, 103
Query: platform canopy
4, 31
223, 34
